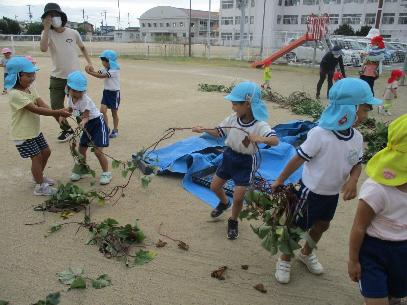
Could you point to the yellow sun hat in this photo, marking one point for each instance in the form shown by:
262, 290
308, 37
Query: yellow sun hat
389, 166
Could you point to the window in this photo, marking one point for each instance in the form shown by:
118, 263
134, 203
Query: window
351, 18
237, 36
161, 25
184, 34
334, 18
402, 18
167, 24
291, 2
143, 25
280, 2
237, 20
226, 36
155, 24
304, 19
279, 19
372, 1
370, 18
174, 24
390, 1
311, 2
246, 19
290, 19
253, 3
149, 25
251, 19
227, 4
181, 24
388, 18
332, 1
119, 35
226, 20
353, 1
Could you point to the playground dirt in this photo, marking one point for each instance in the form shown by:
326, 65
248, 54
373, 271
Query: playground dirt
157, 95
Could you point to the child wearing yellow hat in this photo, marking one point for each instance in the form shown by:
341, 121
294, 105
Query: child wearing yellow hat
378, 240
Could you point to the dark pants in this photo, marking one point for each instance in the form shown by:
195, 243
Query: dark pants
322, 76
57, 97
370, 80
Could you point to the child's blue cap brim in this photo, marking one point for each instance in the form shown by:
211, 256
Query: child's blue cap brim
17, 65
352, 91
338, 117
77, 81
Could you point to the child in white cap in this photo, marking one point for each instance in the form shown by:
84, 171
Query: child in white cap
243, 130
3, 62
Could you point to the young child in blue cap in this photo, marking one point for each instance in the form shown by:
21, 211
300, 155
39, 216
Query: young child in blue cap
111, 91
243, 129
26, 108
95, 130
332, 154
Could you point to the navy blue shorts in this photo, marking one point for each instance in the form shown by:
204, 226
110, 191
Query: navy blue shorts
236, 166
111, 99
98, 132
4, 79
313, 207
384, 268
32, 147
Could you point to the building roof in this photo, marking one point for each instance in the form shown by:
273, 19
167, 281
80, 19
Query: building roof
163, 12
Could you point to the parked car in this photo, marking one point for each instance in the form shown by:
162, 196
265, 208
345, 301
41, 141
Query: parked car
305, 53
398, 53
351, 51
365, 43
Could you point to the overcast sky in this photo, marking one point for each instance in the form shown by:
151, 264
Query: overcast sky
93, 8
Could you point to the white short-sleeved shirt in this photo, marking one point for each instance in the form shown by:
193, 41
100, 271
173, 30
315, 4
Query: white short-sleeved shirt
330, 157
85, 103
64, 52
388, 95
390, 207
234, 137
112, 82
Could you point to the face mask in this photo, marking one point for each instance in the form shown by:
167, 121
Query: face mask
56, 22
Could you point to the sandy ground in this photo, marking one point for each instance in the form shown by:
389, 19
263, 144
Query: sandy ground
156, 96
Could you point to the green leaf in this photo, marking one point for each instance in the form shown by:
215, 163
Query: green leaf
102, 282
54, 228
144, 257
115, 164
145, 181
263, 231
244, 214
101, 202
51, 299
92, 183
283, 219
78, 283
3, 302
93, 173
67, 277
124, 173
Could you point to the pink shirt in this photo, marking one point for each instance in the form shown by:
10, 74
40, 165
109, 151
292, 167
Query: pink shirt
370, 70
390, 206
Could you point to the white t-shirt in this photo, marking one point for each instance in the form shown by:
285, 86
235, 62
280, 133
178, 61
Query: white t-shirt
64, 52
330, 157
112, 82
390, 207
85, 103
388, 95
234, 137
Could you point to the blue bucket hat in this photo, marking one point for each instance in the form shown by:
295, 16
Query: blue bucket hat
249, 91
77, 81
344, 97
112, 57
16, 65
352, 91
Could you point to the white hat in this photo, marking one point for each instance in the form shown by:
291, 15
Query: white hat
373, 33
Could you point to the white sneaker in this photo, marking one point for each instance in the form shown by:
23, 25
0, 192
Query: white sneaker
44, 190
388, 113
311, 261
105, 178
50, 181
283, 270
380, 110
75, 177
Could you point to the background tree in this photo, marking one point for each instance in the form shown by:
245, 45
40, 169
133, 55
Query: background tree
34, 28
345, 29
364, 30
10, 26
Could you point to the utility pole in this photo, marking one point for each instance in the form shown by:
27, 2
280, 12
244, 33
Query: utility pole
379, 14
118, 20
128, 19
189, 30
83, 15
209, 31
262, 29
30, 15
241, 4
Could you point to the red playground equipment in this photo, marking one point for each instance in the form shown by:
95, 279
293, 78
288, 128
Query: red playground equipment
317, 27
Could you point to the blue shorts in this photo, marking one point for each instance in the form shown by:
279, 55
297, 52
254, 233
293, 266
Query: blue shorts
111, 99
384, 268
98, 132
313, 207
4, 79
32, 147
236, 166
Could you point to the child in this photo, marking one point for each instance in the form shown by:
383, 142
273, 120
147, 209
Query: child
242, 130
30, 58
266, 78
370, 68
95, 130
323, 180
111, 92
7, 56
378, 239
390, 92
337, 76
26, 108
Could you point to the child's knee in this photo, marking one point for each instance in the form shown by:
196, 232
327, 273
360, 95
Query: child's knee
98, 152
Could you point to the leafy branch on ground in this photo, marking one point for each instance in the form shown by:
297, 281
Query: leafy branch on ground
215, 88
375, 135
277, 211
51, 299
182, 245
75, 279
